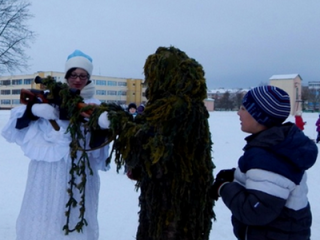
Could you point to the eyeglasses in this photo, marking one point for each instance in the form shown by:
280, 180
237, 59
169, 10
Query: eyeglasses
82, 77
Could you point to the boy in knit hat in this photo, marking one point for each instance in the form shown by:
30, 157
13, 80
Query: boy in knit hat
267, 192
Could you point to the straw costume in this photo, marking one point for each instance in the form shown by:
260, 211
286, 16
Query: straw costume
168, 149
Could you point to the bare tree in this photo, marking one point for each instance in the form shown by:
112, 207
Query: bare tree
305, 96
15, 35
225, 102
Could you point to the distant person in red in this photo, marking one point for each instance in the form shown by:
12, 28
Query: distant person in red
299, 121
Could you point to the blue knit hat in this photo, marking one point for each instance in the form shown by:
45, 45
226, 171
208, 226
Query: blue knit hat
268, 105
78, 59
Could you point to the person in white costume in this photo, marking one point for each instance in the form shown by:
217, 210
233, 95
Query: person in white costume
42, 214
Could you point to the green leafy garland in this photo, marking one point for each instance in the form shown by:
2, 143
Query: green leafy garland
78, 129
79, 166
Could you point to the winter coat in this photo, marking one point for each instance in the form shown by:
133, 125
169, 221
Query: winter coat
299, 122
318, 125
268, 197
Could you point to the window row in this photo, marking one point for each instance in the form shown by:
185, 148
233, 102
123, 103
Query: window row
16, 82
30, 80
98, 92
9, 101
108, 83
8, 92
111, 93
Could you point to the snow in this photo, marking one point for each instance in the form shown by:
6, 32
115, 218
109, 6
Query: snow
118, 203
284, 76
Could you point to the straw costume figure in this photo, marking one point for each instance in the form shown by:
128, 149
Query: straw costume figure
168, 149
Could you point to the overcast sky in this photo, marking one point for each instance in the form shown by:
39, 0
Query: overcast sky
240, 43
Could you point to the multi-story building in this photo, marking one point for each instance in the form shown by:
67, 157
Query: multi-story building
292, 84
108, 89
314, 85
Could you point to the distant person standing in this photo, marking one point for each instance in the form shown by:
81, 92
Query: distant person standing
299, 121
318, 129
140, 109
132, 108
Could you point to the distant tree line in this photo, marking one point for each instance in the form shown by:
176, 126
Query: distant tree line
231, 101
310, 98
228, 101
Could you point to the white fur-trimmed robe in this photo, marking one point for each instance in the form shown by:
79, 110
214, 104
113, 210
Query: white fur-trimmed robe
42, 214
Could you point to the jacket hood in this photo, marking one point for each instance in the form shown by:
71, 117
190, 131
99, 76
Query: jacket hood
289, 142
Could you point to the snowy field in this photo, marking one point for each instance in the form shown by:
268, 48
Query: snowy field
118, 205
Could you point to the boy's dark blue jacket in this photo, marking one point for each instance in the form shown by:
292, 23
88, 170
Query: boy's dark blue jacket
268, 198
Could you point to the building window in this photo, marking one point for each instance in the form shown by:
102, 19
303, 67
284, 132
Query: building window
123, 84
101, 82
16, 91
100, 92
27, 81
5, 82
5, 92
112, 93
122, 93
16, 101
112, 83
17, 82
5, 101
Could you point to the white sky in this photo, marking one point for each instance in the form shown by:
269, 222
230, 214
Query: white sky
239, 43
118, 200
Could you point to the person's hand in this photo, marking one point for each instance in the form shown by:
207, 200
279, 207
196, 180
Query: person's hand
103, 120
223, 177
215, 188
88, 113
45, 110
227, 174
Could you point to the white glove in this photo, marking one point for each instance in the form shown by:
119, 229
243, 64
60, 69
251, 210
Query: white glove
45, 110
103, 120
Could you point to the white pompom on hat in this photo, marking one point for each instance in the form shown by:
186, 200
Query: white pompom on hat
78, 59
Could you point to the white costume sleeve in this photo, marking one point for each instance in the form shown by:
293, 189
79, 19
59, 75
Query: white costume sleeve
39, 141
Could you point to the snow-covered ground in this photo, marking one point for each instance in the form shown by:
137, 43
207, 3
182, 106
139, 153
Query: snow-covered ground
118, 207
